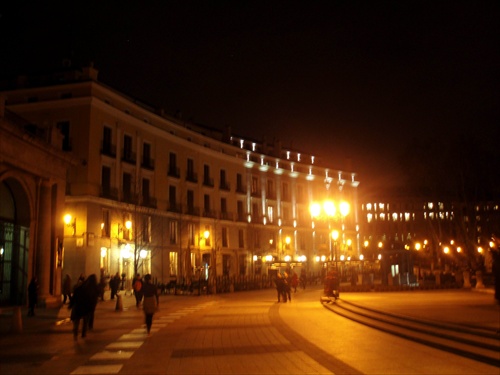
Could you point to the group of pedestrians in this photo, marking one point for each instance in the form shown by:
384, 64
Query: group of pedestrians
285, 282
83, 303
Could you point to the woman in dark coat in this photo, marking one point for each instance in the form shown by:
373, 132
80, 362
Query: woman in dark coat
150, 303
93, 291
80, 309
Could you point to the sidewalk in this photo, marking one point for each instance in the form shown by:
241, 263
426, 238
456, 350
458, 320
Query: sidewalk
45, 318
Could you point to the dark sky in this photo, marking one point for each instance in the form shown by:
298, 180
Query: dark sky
343, 79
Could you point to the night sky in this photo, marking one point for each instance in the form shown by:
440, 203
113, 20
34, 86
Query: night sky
341, 79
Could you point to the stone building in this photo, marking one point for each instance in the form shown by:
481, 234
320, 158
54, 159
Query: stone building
33, 172
150, 193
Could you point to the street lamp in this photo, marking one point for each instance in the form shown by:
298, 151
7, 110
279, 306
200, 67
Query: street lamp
70, 222
335, 236
328, 211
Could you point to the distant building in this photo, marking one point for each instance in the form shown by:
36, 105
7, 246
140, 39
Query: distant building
155, 194
424, 235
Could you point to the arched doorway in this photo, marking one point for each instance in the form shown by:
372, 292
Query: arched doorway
14, 242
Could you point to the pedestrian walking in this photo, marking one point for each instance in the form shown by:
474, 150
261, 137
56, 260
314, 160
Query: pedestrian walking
287, 287
66, 289
32, 295
280, 287
93, 291
151, 301
137, 287
114, 284
80, 309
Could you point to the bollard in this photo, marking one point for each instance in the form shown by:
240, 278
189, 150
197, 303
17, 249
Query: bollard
17, 321
119, 303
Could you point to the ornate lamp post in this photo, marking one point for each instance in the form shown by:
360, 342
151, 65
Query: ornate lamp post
328, 212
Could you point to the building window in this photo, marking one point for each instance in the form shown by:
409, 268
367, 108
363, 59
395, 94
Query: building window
239, 183
239, 210
173, 232
255, 185
127, 187
207, 180
172, 199
173, 260
105, 224
145, 191
146, 156
107, 147
190, 202
286, 192
270, 214
127, 148
146, 229
106, 181
173, 171
206, 204
223, 182
63, 127
270, 189
241, 238
191, 175
224, 237
191, 234
223, 205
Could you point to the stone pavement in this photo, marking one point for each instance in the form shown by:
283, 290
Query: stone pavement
194, 335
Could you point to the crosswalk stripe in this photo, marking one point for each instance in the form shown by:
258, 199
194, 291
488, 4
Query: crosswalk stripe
104, 369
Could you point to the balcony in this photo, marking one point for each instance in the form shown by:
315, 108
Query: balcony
224, 186
128, 156
193, 211
174, 171
148, 163
174, 207
108, 149
227, 216
129, 197
240, 189
207, 181
109, 193
271, 195
210, 213
257, 193
192, 177
148, 201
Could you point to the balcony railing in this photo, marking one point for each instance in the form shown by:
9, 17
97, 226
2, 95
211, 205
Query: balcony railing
148, 163
210, 213
207, 181
174, 171
148, 201
224, 186
174, 207
240, 189
109, 193
108, 149
192, 177
193, 211
128, 156
227, 216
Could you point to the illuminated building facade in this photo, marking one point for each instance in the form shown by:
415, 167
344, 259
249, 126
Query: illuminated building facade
154, 194
33, 172
428, 236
